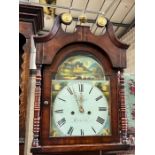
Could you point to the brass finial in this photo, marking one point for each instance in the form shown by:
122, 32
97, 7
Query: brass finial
101, 21
83, 18
66, 18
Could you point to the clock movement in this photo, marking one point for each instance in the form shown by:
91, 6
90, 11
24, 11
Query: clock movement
79, 99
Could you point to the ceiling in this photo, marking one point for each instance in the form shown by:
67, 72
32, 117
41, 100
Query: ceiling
120, 12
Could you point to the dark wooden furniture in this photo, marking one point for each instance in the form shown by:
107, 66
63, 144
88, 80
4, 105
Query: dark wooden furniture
31, 21
52, 49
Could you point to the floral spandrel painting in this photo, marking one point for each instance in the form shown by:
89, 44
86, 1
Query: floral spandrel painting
80, 68
130, 104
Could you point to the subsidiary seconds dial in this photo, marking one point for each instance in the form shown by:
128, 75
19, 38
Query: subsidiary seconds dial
80, 109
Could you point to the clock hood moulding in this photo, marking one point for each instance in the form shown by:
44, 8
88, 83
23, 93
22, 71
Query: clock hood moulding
31, 14
49, 45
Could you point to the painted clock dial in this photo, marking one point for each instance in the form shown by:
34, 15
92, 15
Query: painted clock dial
80, 99
80, 109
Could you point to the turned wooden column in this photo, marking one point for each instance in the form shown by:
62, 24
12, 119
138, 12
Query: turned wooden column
123, 117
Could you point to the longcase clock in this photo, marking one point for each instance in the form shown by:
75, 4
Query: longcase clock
79, 99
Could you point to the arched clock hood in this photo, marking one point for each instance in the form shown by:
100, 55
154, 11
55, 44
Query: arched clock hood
49, 45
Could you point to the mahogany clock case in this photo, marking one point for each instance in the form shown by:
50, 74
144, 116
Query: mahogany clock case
52, 50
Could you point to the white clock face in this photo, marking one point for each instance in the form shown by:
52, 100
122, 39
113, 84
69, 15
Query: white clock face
80, 109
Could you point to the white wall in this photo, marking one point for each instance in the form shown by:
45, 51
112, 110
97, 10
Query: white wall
129, 38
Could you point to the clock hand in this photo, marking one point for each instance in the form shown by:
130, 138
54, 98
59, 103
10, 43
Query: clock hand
78, 102
81, 103
76, 99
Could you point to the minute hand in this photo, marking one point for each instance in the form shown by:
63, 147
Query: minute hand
81, 100
81, 103
77, 101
